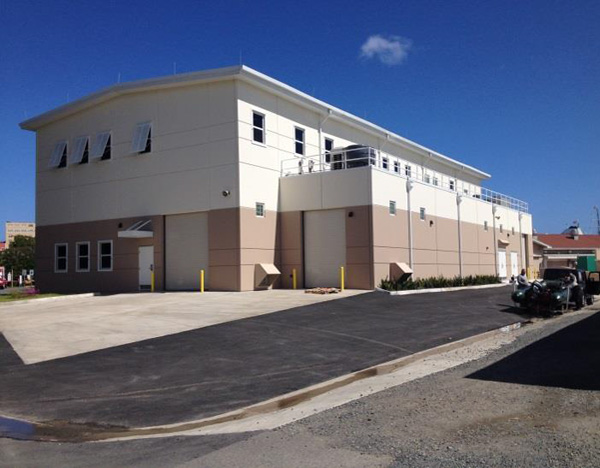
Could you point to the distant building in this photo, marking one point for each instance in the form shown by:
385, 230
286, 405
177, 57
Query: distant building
18, 229
2, 272
562, 250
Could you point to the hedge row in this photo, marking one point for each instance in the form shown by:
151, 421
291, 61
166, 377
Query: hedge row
438, 282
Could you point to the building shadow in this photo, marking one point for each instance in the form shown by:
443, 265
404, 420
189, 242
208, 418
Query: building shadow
569, 358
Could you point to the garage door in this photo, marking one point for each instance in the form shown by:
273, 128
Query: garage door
324, 247
186, 240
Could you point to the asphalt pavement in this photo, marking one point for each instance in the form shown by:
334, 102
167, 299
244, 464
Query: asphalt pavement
212, 370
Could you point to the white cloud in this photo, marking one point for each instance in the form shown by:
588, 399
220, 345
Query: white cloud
392, 50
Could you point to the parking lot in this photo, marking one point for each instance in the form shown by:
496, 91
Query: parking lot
208, 371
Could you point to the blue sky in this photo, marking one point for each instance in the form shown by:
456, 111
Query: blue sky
510, 87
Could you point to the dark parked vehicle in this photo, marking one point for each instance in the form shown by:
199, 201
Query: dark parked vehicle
3, 283
555, 294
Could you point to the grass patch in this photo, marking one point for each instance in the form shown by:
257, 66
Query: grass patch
438, 282
24, 294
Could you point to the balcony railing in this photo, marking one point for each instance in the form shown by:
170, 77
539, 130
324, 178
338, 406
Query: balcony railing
363, 156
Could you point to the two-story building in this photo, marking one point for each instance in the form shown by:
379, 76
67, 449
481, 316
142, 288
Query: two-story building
239, 175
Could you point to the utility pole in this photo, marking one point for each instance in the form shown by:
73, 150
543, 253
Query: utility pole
597, 210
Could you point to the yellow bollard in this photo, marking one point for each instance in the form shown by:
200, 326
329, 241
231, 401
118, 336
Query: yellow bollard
342, 278
294, 283
201, 281
152, 281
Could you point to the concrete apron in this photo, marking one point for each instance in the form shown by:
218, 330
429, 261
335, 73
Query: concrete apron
293, 406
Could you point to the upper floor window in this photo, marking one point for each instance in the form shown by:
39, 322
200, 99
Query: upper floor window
452, 184
328, 149
407, 171
396, 167
101, 149
384, 163
435, 181
80, 153
392, 207
142, 138
258, 128
427, 178
299, 140
60, 258
59, 155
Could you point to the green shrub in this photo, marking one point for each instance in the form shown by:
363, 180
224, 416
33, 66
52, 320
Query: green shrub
438, 282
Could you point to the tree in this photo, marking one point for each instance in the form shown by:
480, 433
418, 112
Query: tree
20, 255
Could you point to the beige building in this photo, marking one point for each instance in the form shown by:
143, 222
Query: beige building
18, 229
239, 175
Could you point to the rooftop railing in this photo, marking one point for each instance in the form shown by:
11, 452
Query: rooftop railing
363, 156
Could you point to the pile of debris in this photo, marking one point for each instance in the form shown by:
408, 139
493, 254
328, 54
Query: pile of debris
322, 291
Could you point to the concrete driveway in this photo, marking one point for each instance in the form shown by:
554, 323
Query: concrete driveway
41, 330
211, 370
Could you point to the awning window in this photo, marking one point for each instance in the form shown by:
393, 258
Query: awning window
78, 149
99, 145
59, 151
139, 230
140, 137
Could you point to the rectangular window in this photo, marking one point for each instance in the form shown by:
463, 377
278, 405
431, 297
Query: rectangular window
436, 182
392, 207
260, 210
385, 163
451, 184
258, 128
407, 170
79, 155
59, 155
299, 140
501, 228
422, 214
396, 167
142, 138
61, 252
328, 149
427, 178
485, 225
105, 255
512, 230
82, 250
101, 148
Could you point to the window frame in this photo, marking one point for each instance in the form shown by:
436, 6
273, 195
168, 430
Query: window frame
422, 213
385, 163
78, 256
408, 170
299, 142
452, 184
263, 129
392, 208
55, 160
80, 144
66, 257
138, 133
107, 147
112, 254
397, 166
501, 228
328, 151
260, 205
486, 226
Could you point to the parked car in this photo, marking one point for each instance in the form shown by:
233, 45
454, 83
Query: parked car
3, 283
553, 294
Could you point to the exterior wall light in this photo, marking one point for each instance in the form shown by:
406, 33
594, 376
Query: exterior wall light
226, 193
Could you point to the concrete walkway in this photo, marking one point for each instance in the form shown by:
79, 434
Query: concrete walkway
68, 326
212, 370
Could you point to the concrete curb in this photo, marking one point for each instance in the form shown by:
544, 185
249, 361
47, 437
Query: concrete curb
47, 299
436, 290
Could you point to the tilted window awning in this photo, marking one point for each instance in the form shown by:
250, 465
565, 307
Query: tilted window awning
139, 230
503, 243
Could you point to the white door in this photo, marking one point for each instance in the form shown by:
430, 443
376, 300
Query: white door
514, 264
502, 263
324, 247
186, 241
145, 266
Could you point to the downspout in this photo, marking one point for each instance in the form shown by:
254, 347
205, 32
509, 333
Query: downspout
523, 264
409, 186
460, 257
494, 209
321, 122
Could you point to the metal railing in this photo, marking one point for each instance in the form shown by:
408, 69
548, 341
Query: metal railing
343, 159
